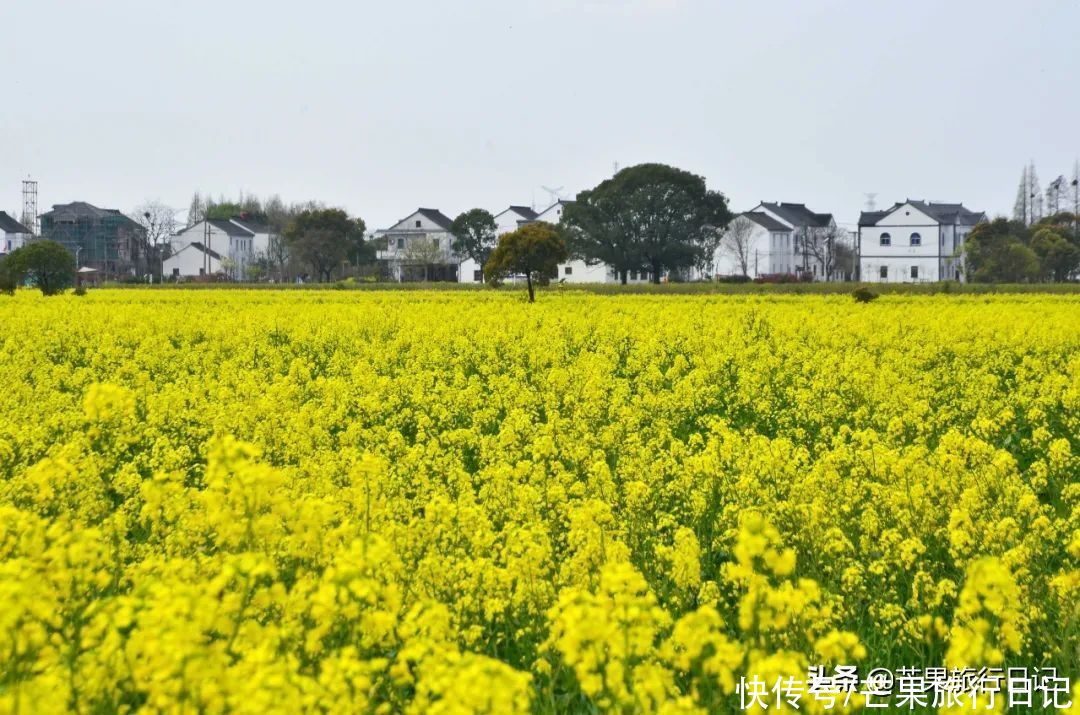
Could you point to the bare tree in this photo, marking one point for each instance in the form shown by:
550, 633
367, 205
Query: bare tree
825, 247
736, 241
277, 255
159, 222
423, 251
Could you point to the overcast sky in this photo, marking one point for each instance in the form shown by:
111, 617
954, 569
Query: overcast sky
380, 107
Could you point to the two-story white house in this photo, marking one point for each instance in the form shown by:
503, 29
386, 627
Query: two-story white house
230, 242
803, 251
915, 241
13, 235
419, 247
764, 242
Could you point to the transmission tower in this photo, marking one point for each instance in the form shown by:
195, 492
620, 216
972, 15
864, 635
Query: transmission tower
871, 201
29, 216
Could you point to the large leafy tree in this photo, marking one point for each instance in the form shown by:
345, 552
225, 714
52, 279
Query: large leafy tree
535, 250
997, 252
1059, 258
474, 234
649, 216
45, 264
324, 239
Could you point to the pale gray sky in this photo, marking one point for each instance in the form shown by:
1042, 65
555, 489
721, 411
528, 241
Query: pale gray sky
383, 106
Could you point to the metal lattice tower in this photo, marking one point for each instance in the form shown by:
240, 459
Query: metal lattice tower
30, 209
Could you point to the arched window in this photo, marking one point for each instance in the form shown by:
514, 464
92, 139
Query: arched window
886, 239
916, 239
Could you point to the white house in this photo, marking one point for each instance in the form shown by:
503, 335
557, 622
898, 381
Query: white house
234, 243
192, 260
801, 252
764, 242
915, 241
262, 234
13, 234
419, 247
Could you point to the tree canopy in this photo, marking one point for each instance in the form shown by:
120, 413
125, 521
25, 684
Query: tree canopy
45, 264
647, 217
326, 238
1004, 251
474, 234
534, 250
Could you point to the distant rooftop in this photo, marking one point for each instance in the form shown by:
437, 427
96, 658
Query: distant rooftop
798, 214
942, 212
10, 225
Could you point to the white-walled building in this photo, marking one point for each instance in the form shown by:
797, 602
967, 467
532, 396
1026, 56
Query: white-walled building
229, 240
808, 230
190, 261
13, 235
419, 247
914, 241
767, 245
506, 221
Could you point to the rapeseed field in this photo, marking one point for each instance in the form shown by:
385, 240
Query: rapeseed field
426, 502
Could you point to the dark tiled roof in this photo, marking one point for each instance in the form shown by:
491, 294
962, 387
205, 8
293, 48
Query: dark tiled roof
437, 217
799, 215
765, 221
870, 218
525, 211
229, 227
946, 213
208, 251
252, 226
81, 210
10, 225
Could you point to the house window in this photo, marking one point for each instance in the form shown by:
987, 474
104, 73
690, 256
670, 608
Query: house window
883, 272
176, 272
568, 271
914, 272
401, 244
886, 239
418, 224
916, 239
478, 276
434, 243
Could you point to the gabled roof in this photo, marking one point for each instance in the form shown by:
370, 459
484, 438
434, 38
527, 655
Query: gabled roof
798, 214
252, 226
229, 227
437, 217
10, 225
525, 211
945, 213
198, 247
765, 221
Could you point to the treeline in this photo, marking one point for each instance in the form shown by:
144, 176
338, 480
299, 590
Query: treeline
1011, 251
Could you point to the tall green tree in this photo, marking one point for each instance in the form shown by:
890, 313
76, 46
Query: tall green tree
650, 216
997, 252
474, 234
535, 250
45, 264
324, 239
1059, 258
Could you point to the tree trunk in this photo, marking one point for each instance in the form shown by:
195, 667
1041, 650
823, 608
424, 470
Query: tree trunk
622, 277
656, 272
528, 281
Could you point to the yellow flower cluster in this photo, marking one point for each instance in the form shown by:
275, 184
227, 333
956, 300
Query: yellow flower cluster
261, 501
